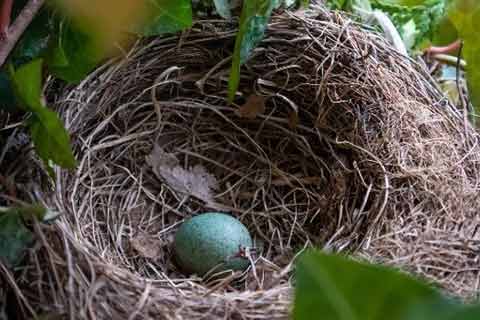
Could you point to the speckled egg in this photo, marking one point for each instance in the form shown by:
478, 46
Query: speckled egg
211, 240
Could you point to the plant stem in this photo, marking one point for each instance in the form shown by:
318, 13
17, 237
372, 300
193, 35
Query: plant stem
451, 60
5, 12
15, 31
454, 46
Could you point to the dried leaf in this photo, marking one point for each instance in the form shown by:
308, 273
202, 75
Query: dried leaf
194, 181
146, 246
254, 106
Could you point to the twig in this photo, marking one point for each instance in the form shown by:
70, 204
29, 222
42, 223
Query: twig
18, 27
454, 46
451, 60
7, 275
459, 88
5, 12
463, 105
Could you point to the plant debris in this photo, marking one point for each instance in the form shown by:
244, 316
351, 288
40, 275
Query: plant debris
254, 106
194, 181
146, 245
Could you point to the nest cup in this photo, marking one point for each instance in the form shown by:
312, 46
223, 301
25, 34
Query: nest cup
334, 140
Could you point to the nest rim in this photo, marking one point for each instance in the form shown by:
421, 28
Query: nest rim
374, 177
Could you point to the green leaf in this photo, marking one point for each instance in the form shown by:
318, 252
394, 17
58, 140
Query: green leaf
105, 21
27, 82
50, 138
165, 16
32, 211
35, 40
465, 15
467, 313
304, 3
290, 3
472, 54
416, 21
338, 288
350, 5
339, 4
444, 32
56, 56
253, 23
74, 52
32, 44
15, 238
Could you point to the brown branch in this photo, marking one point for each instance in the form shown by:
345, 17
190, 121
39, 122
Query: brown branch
18, 28
446, 49
5, 12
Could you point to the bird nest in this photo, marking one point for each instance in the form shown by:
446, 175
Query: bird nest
334, 140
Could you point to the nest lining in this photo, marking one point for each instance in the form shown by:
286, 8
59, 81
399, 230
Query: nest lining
356, 151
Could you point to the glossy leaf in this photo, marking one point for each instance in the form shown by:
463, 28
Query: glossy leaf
50, 138
27, 84
15, 238
32, 44
333, 287
253, 23
35, 40
165, 16
74, 52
